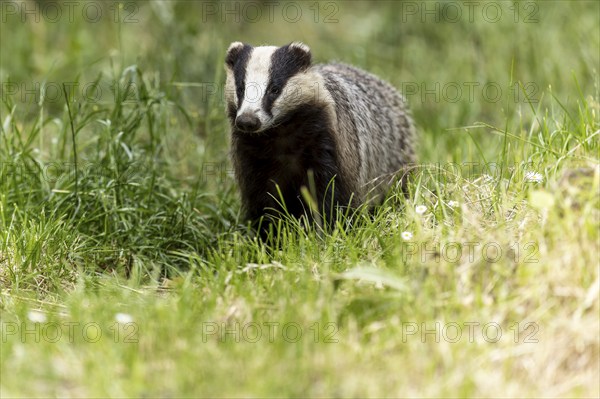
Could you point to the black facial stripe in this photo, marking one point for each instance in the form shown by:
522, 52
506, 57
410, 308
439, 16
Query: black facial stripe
285, 63
239, 72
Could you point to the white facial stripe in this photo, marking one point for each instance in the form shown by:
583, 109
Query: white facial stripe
257, 79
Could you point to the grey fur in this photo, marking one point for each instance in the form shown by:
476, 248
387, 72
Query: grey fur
376, 131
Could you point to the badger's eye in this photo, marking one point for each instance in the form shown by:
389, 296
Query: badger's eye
274, 90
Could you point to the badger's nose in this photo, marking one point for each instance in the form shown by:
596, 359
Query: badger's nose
247, 122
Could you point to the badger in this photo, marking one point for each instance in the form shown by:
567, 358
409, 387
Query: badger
339, 132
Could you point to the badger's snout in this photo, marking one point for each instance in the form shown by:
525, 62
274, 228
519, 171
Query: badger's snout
247, 122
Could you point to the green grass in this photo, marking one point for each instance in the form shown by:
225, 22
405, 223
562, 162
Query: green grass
125, 269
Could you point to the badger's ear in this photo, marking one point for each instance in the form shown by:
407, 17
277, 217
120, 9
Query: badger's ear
233, 52
301, 53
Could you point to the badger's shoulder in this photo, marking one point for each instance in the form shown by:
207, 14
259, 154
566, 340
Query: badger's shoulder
361, 97
341, 69
355, 81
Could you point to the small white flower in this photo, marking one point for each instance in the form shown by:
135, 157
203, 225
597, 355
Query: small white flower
453, 204
488, 178
534, 177
123, 318
420, 209
36, 316
406, 235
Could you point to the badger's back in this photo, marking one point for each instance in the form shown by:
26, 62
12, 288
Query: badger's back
374, 127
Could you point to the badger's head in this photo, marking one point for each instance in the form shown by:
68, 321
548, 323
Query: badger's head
265, 84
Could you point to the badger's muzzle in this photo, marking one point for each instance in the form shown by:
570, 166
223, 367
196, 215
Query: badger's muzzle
247, 122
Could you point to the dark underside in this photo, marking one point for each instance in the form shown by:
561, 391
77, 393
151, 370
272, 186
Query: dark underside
273, 166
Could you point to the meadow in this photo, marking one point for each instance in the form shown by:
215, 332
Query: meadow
127, 271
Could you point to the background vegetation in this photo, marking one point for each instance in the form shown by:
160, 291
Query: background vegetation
125, 270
